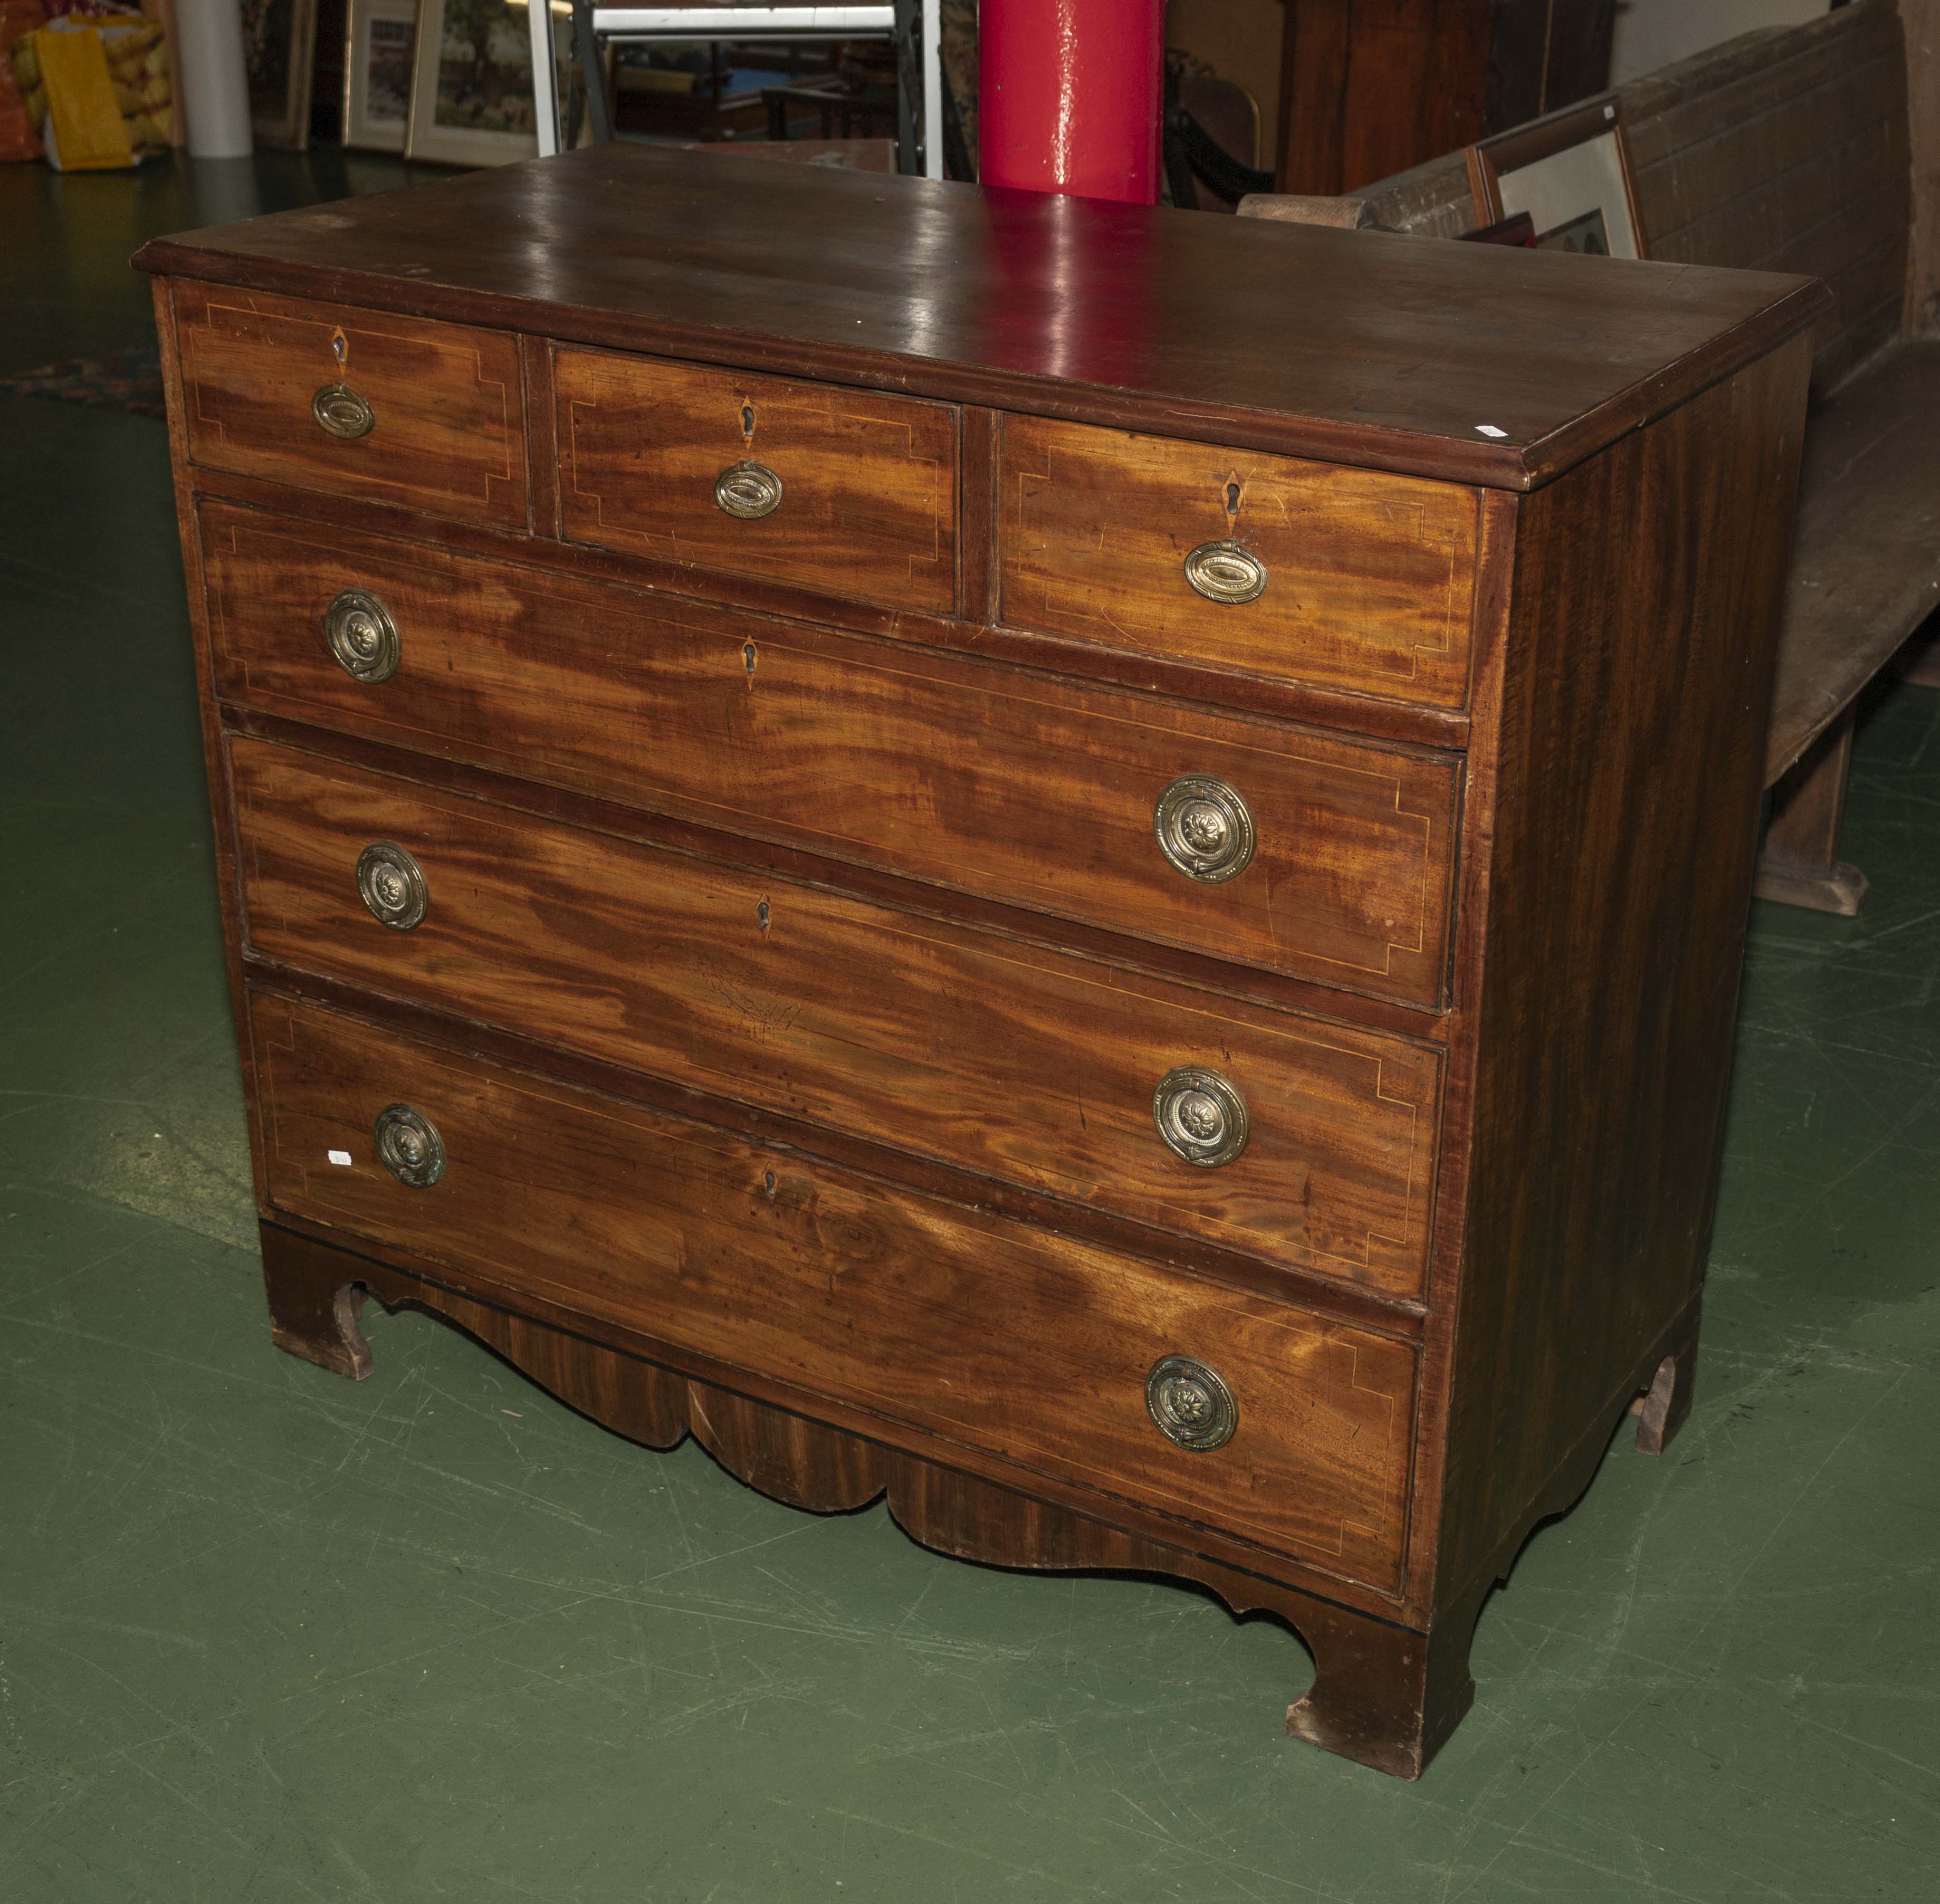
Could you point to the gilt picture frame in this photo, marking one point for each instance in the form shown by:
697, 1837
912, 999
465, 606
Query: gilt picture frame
379, 41
472, 85
1571, 172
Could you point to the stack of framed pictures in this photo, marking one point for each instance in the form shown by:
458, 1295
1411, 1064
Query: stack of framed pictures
278, 57
446, 82
1569, 175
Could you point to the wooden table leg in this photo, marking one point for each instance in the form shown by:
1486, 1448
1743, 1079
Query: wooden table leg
1801, 865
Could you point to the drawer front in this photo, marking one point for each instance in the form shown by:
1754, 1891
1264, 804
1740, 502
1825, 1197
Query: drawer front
989, 1333
963, 773
844, 491
955, 1044
1368, 580
434, 413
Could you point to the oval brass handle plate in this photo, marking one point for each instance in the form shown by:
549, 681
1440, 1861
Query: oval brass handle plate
1201, 1116
1191, 1404
1224, 572
749, 490
392, 885
362, 636
1204, 827
409, 1146
341, 412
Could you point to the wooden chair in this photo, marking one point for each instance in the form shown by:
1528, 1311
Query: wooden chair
1787, 150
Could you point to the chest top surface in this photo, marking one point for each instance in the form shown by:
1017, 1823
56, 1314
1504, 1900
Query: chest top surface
1366, 348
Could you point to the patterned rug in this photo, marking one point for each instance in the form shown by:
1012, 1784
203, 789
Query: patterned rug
130, 380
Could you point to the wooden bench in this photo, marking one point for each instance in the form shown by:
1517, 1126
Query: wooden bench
1787, 150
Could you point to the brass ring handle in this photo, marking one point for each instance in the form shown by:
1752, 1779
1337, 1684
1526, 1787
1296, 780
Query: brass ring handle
392, 885
1204, 827
1200, 1116
362, 636
749, 490
343, 413
409, 1146
1224, 572
1191, 1404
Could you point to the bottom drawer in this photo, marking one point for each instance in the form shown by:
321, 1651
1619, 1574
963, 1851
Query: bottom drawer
986, 1332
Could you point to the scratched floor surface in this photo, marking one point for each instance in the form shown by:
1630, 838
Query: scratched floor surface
267, 1637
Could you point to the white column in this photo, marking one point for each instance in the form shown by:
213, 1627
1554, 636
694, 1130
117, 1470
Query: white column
215, 85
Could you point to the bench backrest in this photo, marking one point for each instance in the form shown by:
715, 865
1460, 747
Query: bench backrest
1785, 150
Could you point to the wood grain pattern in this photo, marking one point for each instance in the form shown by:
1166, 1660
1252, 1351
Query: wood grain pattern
1294, 339
963, 773
1371, 579
1637, 690
449, 434
826, 1282
868, 505
1382, 1694
919, 1034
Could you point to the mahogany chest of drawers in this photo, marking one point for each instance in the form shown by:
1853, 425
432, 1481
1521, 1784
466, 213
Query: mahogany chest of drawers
1084, 865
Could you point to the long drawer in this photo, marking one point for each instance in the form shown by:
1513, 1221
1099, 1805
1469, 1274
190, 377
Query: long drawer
850, 492
927, 1314
391, 409
1042, 1068
1261, 565
963, 773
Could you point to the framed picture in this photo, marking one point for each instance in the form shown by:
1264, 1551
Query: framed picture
471, 84
279, 55
379, 38
1571, 173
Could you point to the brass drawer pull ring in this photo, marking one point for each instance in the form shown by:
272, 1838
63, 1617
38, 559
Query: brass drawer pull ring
1191, 1404
409, 1146
339, 409
1224, 572
362, 636
749, 490
392, 885
1204, 827
1200, 1116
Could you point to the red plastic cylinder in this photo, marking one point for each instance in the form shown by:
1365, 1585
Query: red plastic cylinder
1069, 94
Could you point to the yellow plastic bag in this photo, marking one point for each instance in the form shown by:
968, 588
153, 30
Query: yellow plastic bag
107, 88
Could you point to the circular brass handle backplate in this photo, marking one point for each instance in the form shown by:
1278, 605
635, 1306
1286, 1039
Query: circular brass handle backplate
409, 1146
1224, 572
362, 636
341, 411
1204, 827
392, 884
1200, 1116
1191, 1403
749, 490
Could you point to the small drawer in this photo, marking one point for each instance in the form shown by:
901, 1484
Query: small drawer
1222, 1408
1260, 565
428, 416
1047, 1069
845, 492
1128, 813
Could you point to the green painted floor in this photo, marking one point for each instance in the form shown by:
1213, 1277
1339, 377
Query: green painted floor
265, 1635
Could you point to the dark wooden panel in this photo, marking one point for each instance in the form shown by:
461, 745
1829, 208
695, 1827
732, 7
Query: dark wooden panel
931, 1038
1632, 744
868, 501
1865, 568
449, 404
1370, 578
1021, 1344
1286, 338
959, 773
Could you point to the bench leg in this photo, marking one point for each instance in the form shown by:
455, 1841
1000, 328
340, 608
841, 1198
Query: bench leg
1918, 663
1801, 865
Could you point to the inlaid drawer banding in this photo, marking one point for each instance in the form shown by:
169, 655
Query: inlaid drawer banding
1025, 1064
961, 773
843, 1287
